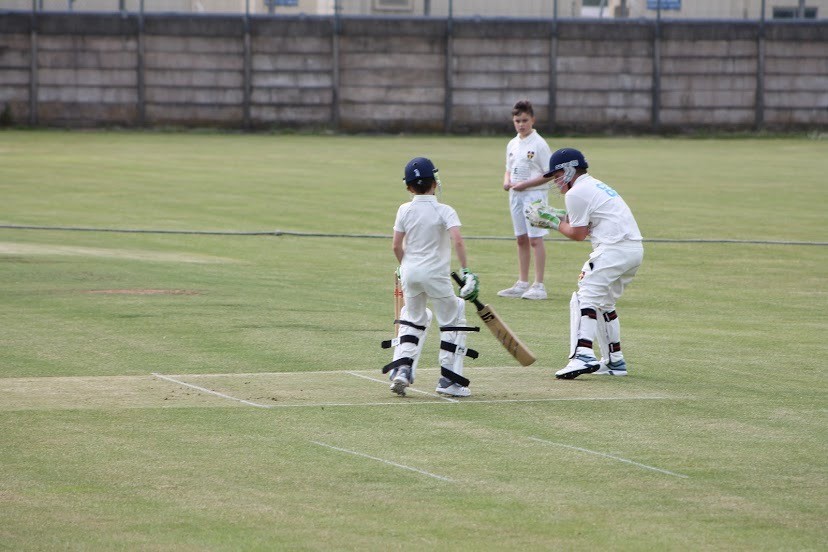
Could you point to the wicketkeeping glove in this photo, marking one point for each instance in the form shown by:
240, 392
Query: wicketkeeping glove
471, 285
541, 215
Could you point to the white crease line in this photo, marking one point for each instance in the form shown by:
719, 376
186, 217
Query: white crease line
222, 395
440, 477
468, 401
645, 466
409, 389
557, 399
314, 372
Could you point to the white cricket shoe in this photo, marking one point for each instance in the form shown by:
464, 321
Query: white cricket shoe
446, 387
617, 368
581, 364
516, 290
536, 291
401, 380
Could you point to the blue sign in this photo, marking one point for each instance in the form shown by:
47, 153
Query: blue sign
665, 4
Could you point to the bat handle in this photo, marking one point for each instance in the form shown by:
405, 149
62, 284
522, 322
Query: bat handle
460, 283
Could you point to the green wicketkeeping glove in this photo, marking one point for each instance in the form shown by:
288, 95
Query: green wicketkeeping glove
541, 215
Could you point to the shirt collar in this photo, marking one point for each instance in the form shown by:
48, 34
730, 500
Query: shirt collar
424, 197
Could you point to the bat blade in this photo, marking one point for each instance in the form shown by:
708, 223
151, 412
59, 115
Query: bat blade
502, 332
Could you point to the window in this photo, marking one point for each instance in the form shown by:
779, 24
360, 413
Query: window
394, 5
275, 3
792, 13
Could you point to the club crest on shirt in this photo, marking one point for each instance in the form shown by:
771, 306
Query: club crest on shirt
530, 154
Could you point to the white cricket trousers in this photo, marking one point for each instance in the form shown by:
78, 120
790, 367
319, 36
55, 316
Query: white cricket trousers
608, 271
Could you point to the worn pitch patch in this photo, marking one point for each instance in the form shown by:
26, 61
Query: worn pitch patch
11, 248
143, 291
363, 388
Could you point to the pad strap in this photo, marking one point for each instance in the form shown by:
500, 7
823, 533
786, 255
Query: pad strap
459, 329
452, 348
454, 378
410, 324
402, 339
404, 361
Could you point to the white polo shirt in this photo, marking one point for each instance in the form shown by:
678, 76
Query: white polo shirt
528, 158
592, 203
425, 222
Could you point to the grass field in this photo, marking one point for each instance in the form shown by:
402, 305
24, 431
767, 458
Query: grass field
175, 378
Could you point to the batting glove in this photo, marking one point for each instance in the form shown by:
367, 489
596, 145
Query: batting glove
471, 285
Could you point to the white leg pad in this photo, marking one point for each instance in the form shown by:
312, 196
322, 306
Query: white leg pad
454, 360
453, 350
603, 337
404, 346
420, 345
574, 323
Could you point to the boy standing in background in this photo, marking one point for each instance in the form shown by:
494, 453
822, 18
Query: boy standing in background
526, 156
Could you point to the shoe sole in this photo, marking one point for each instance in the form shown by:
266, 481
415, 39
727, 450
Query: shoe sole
611, 373
512, 295
533, 298
588, 369
399, 386
448, 393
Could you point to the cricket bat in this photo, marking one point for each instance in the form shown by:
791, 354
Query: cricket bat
501, 331
399, 302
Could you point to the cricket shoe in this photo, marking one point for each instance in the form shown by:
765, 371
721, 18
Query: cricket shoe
446, 387
516, 290
617, 368
536, 291
402, 379
581, 364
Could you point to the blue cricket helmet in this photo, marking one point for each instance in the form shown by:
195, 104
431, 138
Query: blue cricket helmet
566, 157
419, 168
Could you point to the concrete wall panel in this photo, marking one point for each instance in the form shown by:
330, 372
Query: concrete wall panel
390, 74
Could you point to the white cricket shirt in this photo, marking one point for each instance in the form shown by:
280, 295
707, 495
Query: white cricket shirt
592, 203
528, 158
425, 222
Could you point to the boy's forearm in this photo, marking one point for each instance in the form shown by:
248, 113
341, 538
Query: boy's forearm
460, 249
576, 233
531, 183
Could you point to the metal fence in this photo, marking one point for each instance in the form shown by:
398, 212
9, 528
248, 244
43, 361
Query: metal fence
754, 10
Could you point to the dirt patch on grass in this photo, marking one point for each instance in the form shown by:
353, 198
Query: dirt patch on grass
29, 249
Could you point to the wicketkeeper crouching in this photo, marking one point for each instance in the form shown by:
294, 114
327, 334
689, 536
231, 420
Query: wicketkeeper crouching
593, 210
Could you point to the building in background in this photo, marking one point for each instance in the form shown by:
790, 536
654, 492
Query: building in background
616, 9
